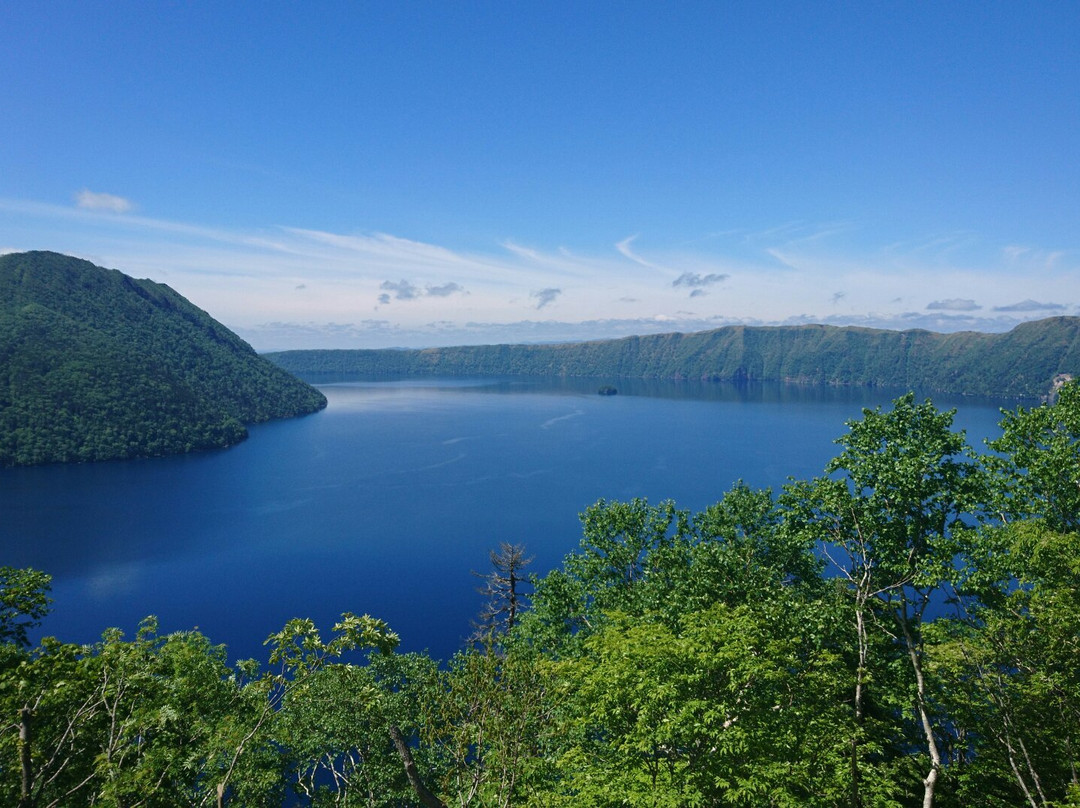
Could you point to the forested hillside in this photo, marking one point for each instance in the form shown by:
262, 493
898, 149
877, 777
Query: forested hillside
1022, 362
96, 365
902, 630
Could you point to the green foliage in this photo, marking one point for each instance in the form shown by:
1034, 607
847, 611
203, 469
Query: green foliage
487, 723
739, 707
1039, 473
334, 738
1011, 678
24, 601
893, 519
1023, 362
912, 482
95, 365
152, 721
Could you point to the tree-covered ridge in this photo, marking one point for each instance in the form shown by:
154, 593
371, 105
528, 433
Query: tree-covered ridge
903, 630
1022, 362
95, 365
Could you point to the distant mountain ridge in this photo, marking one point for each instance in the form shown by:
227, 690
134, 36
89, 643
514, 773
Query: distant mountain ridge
1023, 362
96, 365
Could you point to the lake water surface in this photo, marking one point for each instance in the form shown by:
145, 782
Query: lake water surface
385, 502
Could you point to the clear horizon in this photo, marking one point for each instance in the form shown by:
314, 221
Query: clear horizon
407, 175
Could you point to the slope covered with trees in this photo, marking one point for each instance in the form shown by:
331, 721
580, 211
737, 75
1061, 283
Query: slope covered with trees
1022, 362
903, 630
95, 365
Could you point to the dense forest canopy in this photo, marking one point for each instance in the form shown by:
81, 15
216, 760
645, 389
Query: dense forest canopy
902, 630
1021, 363
95, 365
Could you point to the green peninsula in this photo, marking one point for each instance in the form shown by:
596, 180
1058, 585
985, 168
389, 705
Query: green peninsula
1024, 362
95, 365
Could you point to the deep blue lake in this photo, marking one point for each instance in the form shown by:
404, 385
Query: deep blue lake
386, 502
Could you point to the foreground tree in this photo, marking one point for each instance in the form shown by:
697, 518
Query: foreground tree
891, 521
1037, 469
1009, 675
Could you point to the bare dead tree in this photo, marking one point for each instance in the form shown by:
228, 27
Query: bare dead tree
502, 589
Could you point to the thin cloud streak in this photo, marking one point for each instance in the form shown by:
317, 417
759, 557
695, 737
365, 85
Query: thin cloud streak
624, 248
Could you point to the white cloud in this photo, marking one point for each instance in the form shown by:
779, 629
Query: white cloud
89, 200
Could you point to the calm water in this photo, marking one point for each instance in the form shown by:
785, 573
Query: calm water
385, 502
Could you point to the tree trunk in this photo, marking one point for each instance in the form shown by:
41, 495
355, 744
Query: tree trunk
930, 781
861, 597
402, 747
25, 761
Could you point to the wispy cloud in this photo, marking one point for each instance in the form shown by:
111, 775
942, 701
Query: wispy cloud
89, 200
935, 249
781, 233
561, 262
1028, 258
624, 248
386, 249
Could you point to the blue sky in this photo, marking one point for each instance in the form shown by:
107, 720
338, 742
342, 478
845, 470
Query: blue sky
408, 174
